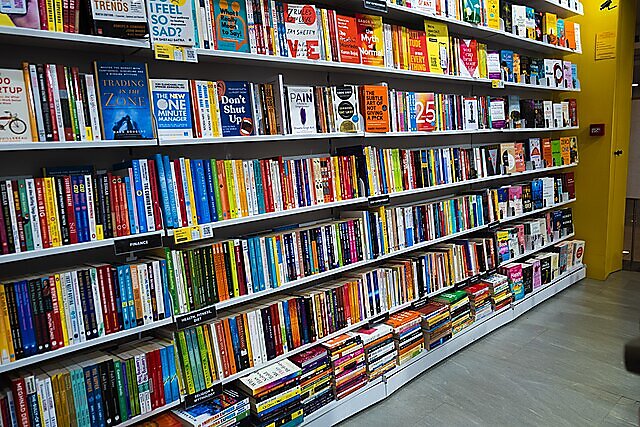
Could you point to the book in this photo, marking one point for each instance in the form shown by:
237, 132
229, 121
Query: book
15, 126
437, 35
348, 39
345, 106
302, 30
230, 23
124, 115
371, 39
469, 58
235, 108
301, 108
128, 20
375, 108
425, 112
172, 108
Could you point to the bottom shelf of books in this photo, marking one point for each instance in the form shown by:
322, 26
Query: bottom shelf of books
349, 372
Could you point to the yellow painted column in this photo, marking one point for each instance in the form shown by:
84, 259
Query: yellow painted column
605, 97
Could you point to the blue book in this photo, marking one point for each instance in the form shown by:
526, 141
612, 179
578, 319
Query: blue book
77, 209
197, 371
91, 399
271, 262
34, 408
235, 340
235, 108
97, 395
412, 111
132, 219
175, 392
131, 308
211, 191
383, 172
287, 323
125, 106
259, 186
298, 171
80, 397
164, 192
252, 265
27, 328
124, 301
125, 382
262, 269
307, 190
199, 182
231, 26
172, 196
137, 185
84, 214
172, 108
166, 377
506, 64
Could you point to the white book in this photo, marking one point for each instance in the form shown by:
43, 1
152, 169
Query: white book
145, 293
247, 264
302, 110
470, 113
92, 101
236, 186
251, 26
42, 400
247, 185
136, 222
12, 214
557, 115
146, 193
388, 45
97, 301
34, 222
37, 104
302, 34
254, 191
317, 175
67, 299
216, 350
48, 389
253, 338
159, 288
548, 114
77, 307
263, 253
576, 30
53, 82
177, 264
566, 121
519, 20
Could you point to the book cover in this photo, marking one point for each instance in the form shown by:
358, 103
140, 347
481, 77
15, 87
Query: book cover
494, 69
437, 34
126, 20
468, 55
172, 108
425, 112
506, 65
470, 113
345, 108
472, 11
371, 39
348, 40
497, 113
508, 157
375, 108
235, 108
172, 23
515, 120
302, 111
231, 25
14, 107
530, 23
519, 20
535, 153
550, 27
302, 30
493, 13
124, 100
418, 51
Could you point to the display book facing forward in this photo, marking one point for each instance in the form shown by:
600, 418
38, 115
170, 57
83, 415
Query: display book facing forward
52, 102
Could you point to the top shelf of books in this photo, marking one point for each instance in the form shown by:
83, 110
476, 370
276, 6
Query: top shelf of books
64, 40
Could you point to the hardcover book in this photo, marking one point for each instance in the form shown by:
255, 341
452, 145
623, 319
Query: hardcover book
348, 46
302, 30
230, 25
302, 111
172, 108
123, 94
235, 108
14, 107
371, 39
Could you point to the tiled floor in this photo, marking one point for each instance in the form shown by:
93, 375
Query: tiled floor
561, 364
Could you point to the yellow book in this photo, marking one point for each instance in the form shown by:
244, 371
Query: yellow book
367, 159
244, 208
336, 178
492, 8
137, 298
51, 14
51, 207
212, 360
30, 101
405, 47
234, 272
183, 353
385, 235
437, 34
233, 207
325, 34
63, 317
192, 198
204, 357
482, 60
58, 20
7, 353
213, 106
395, 30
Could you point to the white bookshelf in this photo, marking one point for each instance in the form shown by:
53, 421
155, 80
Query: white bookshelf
562, 8
60, 40
72, 145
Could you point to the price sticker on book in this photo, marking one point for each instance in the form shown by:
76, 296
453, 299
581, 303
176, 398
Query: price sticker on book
170, 52
497, 84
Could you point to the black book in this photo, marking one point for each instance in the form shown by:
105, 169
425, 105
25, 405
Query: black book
331, 254
527, 278
4, 199
505, 14
88, 306
112, 388
97, 201
152, 292
212, 275
37, 312
107, 399
545, 269
267, 328
187, 272
47, 305
205, 276
45, 102
14, 323
308, 316
118, 28
106, 198
227, 265
539, 113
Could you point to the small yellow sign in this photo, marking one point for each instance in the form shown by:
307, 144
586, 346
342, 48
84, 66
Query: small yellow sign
606, 45
186, 234
170, 52
497, 84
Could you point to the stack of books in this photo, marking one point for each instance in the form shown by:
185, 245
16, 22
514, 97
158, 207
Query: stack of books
100, 388
348, 364
316, 380
513, 271
436, 324
379, 349
227, 409
460, 308
407, 334
500, 292
479, 298
274, 394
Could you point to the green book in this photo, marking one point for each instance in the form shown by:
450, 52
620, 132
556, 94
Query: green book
216, 187
171, 272
471, 11
336, 229
185, 362
117, 367
194, 355
450, 297
72, 104
26, 215
204, 358
556, 152
397, 169
193, 264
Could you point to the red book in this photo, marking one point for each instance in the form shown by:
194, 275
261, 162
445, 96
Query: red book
242, 284
42, 214
4, 412
230, 354
114, 205
160, 378
66, 13
51, 332
42, 11
346, 298
277, 332
57, 321
266, 184
332, 35
195, 110
124, 208
222, 348
348, 39
104, 298
71, 216
155, 194
20, 401
50, 75
180, 195
151, 371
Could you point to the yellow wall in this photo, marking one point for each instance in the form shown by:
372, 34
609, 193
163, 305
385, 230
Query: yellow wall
605, 98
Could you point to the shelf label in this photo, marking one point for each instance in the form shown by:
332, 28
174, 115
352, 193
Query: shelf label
376, 5
419, 303
493, 226
137, 243
196, 317
202, 396
381, 318
170, 52
206, 231
497, 84
186, 234
376, 201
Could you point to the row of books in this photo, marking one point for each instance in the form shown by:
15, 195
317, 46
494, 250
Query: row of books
43, 313
533, 234
100, 388
257, 263
520, 20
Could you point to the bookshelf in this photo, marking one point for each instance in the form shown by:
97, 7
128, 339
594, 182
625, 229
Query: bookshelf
26, 158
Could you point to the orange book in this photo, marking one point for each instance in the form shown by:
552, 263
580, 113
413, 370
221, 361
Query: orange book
221, 272
418, 51
375, 108
348, 39
222, 349
565, 150
227, 336
547, 155
570, 34
295, 330
224, 195
245, 322
370, 39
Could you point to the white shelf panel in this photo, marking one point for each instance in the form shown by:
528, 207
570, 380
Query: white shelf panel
55, 39
70, 248
465, 132
529, 253
39, 358
539, 87
560, 8
257, 138
28, 146
139, 418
